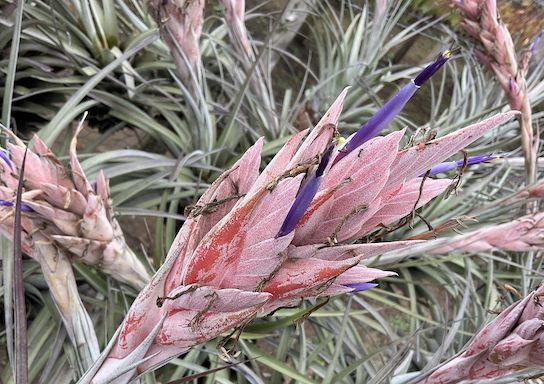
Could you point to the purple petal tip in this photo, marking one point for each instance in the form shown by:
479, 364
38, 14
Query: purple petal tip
6, 160
24, 207
359, 287
432, 68
305, 196
449, 165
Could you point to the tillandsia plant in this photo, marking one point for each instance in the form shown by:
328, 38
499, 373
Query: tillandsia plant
254, 242
66, 218
180, 22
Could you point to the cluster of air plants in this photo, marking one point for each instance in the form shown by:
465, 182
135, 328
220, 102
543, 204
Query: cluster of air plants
191, 93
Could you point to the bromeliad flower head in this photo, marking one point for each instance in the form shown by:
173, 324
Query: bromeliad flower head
392, 108
62, 207
258, 242
180, 23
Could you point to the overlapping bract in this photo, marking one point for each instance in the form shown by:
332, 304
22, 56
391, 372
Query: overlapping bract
512, 342
228, 264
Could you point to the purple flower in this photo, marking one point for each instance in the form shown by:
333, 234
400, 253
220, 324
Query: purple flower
359, 287
536, 41
6, 160
24, 207
392, 108
449, 165
432, 68
305, 196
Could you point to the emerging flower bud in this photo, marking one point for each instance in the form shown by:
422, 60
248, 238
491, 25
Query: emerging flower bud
392, 108
359, 287
24, 207
449, 165
306, 195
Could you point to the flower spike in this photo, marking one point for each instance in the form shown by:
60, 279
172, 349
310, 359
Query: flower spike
279, 242
392, 108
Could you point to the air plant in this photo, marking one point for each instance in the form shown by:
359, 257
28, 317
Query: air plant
512, 342
66, 218
254, 242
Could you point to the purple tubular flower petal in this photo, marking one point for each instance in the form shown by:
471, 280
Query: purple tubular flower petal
6, 203
305, 196
432, 68
24, 207
6, 160
449, 165
536, 41
392, 108
359, 287
380, 120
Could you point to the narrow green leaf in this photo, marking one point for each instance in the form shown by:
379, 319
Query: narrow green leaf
277, 365
52, 130
21, 346
12, 65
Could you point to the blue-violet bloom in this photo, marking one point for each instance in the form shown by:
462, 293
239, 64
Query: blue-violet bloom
24, 207
305, 196
392, 108
6, 160
449, 165
359, 287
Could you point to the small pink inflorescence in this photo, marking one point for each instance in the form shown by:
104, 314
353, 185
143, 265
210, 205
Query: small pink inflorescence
512, 342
